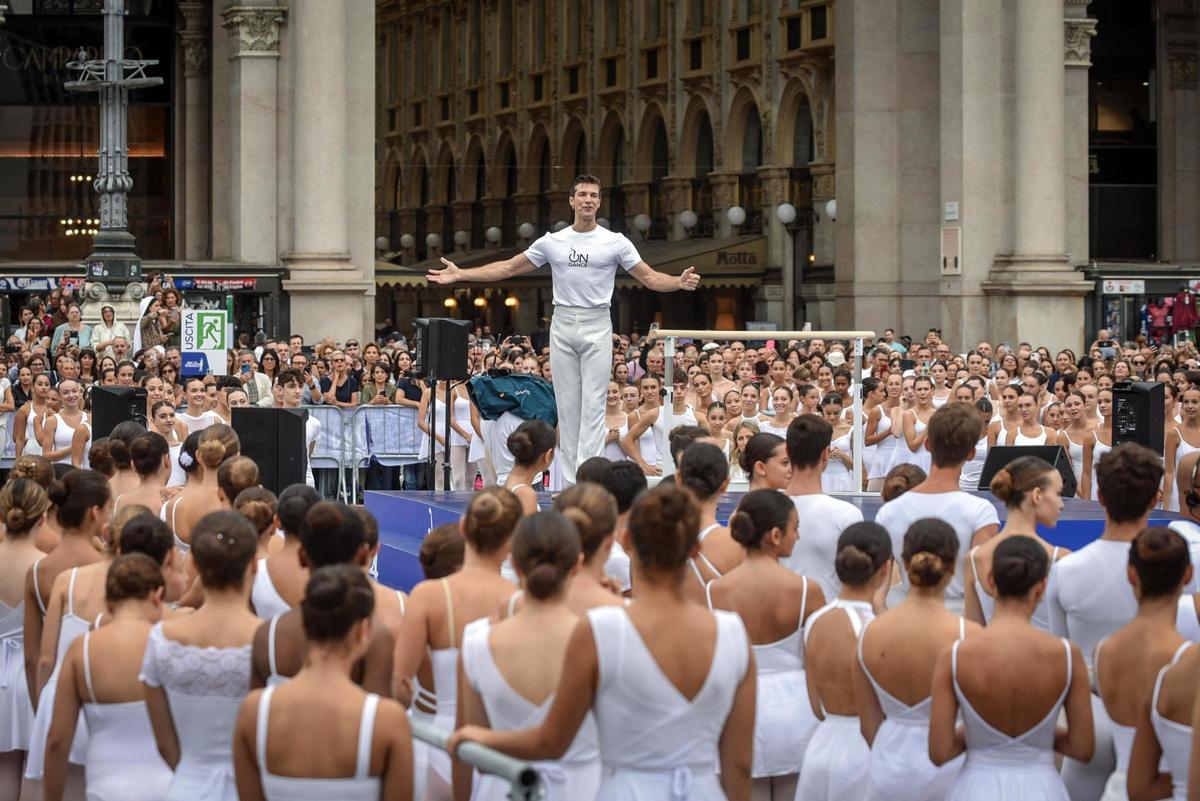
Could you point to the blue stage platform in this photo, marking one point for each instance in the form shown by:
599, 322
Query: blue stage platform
406, 517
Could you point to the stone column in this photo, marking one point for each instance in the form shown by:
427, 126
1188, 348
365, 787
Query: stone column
677, 193
461, 209
637, 201
824, 189
197, 152
318, 136
493, 216
1178, 145
724, 195
331, 257
780, 245
1078, 32
253, 87
525, 210
1036, 294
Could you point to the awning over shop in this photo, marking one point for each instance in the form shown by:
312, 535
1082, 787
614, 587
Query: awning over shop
738, 261
413, 275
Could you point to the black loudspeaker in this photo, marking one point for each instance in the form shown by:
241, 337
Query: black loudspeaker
114, 405
1138, 414
274, 439
1001, 455
440, 349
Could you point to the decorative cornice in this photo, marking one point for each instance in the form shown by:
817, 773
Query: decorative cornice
253, 30
1077, 41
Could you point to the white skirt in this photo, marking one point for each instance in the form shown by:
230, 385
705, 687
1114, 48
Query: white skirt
988, 781
16, 711
35, 763
837, 481
835, 764
900, 769
783, 723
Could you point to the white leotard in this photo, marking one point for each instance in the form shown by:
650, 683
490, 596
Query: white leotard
362, 786
122, 763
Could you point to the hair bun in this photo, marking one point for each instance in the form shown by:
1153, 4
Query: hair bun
1002, 485
15, 520
743, 530
926, 569
58, 492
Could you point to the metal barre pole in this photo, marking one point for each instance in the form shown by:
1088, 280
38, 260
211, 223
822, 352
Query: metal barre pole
524, 779
776, 335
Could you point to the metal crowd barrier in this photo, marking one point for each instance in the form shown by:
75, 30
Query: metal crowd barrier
350, 437
8, 451
526, 784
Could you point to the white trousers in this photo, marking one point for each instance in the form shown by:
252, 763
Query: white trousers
581, 359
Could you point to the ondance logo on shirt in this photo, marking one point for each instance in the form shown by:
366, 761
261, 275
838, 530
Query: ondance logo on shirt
577, 259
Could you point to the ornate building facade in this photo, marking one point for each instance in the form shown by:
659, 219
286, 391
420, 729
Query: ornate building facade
989, 162
252, 165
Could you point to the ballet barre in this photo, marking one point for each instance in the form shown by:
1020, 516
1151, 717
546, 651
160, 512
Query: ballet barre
670, 337
524, 779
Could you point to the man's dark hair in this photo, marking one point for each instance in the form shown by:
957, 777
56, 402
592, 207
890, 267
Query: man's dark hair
808, 436
1128, 478
592, 469
585, 178
290, 375
954, 431
626, 481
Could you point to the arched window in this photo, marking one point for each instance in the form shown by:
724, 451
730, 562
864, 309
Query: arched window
803, 147
704, 148
752, 142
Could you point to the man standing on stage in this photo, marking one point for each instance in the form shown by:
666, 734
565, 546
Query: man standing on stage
583, 261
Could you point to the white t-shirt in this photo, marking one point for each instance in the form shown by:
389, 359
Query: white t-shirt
194, 424
312, 432
178, 476
965, 513
497, 445
583, 265
1089, 595
820, 520
1190, 532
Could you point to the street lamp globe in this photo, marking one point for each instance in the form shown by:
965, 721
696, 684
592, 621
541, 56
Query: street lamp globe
736, 215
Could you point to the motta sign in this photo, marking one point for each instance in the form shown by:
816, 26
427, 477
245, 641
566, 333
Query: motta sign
737, 257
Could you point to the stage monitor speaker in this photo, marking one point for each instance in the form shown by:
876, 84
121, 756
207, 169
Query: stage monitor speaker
1002, 455
275, 439
114, 405
1138, 414
440, 349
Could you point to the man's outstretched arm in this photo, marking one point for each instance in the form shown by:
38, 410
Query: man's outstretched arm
451, 273
663, 282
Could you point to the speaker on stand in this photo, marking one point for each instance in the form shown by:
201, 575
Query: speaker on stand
114, 405
1138, 413
274, 438
439, 349
1003, 455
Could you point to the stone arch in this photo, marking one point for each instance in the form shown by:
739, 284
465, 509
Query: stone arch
445, 176
652, 135
504, 173
696, 136
418, 187
610, 159
474, 169
574, 151
539, 161
796, 109
746, 106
